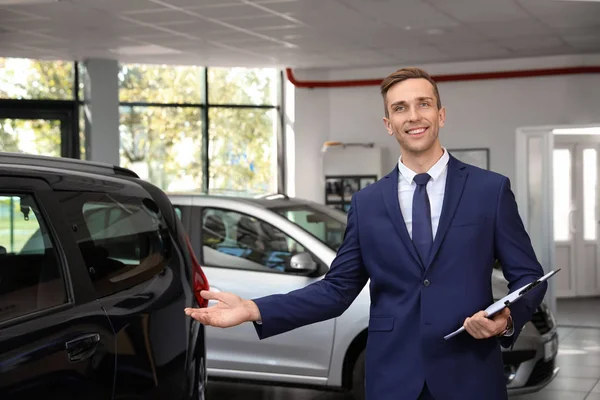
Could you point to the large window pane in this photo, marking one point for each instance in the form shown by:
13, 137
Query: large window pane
161, 84
22, 78
32, 136
243, 86
243, 149
163, 145
562, 194
589, 194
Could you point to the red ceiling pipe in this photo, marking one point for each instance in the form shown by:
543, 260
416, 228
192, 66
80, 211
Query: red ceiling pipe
450, 78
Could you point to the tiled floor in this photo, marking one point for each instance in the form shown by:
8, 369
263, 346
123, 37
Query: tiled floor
578, 359
579, 362
584, 312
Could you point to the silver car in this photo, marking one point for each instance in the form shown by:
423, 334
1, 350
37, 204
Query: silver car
274, 244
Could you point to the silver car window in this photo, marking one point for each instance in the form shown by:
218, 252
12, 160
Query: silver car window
325, 226
235, 240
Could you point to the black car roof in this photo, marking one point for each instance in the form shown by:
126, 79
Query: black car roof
66, 164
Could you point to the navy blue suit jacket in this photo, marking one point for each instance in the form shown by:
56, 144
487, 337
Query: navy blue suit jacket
408, 319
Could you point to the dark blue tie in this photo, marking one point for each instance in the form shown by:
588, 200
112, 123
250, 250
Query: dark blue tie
422, 235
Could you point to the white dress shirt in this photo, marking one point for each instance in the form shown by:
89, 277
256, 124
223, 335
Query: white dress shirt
435, 190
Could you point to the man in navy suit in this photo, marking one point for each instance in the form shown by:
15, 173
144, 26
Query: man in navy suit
426, 236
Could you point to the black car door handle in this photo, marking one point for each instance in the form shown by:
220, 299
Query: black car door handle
82, 347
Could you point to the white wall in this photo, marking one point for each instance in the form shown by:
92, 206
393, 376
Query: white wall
479, 113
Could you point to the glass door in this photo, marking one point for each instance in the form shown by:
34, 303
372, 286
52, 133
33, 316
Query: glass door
32, 136
38, 131
575, 208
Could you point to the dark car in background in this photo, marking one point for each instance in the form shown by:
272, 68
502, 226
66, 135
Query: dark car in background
95, 271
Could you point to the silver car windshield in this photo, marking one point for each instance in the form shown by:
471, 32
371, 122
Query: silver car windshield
327, 225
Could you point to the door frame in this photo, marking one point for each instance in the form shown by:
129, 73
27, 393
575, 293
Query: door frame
65, 111
578, 143
545, 249
522, 192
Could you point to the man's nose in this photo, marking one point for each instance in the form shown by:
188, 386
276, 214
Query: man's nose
414, 115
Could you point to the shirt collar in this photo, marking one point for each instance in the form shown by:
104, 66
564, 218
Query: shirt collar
435, 171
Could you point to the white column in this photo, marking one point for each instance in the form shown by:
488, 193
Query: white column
101, 110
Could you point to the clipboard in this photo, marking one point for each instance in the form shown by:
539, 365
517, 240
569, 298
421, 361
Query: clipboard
507, 300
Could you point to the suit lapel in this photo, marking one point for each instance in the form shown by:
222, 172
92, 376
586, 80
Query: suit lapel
455, 182
392, 204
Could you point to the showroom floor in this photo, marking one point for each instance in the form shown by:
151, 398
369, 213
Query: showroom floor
578, 359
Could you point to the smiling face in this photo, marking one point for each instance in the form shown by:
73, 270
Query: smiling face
413, 116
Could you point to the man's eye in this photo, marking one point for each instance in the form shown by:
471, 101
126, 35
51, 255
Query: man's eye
424, 104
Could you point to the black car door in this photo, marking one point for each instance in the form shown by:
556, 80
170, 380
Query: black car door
140, 281
56, 341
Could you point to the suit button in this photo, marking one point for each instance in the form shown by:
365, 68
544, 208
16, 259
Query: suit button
426, 282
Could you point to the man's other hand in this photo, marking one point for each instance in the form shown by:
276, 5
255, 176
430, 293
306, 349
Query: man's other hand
230, 310
481, 327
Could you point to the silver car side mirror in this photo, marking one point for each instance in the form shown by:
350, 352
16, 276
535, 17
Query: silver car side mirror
301, 262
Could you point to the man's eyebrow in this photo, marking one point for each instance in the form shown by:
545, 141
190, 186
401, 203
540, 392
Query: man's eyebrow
404, 102
398, 103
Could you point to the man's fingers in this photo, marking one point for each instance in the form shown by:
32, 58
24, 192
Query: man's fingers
203, 318
208, 310
479, 326
211, 295
203, 315
188, 310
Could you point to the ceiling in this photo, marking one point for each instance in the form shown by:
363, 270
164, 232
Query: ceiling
297, 33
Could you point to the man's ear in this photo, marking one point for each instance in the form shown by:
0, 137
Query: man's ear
388, 126
442, 116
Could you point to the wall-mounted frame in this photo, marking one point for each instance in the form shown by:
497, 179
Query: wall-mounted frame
479, 157
340, 188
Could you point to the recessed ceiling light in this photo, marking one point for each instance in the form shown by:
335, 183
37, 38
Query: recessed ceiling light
150, 49
20, 2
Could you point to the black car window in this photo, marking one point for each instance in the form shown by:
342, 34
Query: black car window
31, 276
235, 240
124, 241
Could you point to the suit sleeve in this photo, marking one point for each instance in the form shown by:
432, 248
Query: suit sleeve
324, 299
519, 263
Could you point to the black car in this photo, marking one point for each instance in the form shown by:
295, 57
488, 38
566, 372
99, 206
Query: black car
95, 271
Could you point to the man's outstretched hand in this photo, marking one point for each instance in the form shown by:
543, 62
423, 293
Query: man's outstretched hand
231, 310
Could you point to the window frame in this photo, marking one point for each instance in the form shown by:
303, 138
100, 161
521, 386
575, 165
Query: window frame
64, 110
31, 187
